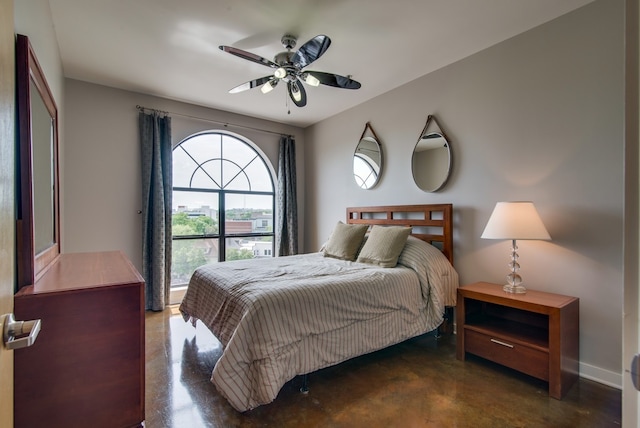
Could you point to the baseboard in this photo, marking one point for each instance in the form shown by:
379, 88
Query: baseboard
596, 374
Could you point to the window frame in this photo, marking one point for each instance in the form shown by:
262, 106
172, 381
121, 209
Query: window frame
221, 193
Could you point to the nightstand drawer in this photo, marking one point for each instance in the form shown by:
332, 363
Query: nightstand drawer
508, 353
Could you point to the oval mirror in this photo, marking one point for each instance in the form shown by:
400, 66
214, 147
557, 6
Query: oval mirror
367, 160
431, 160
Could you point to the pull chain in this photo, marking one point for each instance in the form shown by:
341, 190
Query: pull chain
286, 100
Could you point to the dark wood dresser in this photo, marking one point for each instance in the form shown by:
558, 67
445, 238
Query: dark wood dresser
86, 367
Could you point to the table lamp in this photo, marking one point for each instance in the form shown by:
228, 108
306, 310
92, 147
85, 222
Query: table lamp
515, 220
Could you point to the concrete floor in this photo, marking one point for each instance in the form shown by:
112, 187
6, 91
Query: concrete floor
418, 383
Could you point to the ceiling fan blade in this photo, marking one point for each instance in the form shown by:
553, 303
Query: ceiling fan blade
250, 84
297, 93
249, 56
311, 51
335, 80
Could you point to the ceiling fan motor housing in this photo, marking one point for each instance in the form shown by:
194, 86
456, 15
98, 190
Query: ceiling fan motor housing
283, 58
288, 41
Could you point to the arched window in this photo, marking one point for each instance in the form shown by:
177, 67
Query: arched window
223, 203
365, 171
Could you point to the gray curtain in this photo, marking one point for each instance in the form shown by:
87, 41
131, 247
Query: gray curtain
287, 209
155, 141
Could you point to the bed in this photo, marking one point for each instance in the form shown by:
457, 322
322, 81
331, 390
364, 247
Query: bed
282, 317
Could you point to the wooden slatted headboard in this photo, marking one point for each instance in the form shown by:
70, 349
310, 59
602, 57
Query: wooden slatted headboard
431, 223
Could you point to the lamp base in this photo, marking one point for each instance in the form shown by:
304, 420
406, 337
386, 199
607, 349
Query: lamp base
515, 289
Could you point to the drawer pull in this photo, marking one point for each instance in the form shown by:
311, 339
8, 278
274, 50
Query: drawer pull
502, 343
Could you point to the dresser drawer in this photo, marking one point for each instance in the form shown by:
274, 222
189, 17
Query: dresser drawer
526, 359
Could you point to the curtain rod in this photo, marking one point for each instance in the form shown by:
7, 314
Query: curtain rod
225, 124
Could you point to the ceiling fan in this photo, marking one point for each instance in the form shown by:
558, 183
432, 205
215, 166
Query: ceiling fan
289, 68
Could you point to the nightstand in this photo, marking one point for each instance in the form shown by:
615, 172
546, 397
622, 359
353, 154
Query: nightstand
535, 333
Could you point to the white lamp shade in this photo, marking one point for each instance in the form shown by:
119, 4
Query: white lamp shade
515, 220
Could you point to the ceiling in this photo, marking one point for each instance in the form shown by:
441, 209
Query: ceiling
170, 49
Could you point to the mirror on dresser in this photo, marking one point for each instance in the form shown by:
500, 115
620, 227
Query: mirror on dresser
367, 159
38, 219
431, 159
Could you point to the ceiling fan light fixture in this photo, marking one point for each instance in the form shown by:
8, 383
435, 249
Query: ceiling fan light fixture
268, 87
295, 92
310, 79
280, 73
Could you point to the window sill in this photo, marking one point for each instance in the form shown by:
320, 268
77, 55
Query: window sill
176, 294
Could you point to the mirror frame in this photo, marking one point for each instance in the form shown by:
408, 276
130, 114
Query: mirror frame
31, 265
380, 164
442, 134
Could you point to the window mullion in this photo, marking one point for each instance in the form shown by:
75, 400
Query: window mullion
222, 216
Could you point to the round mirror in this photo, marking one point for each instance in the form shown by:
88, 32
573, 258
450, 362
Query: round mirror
431, 161
367, 163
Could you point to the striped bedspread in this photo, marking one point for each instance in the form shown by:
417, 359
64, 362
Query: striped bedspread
281, 317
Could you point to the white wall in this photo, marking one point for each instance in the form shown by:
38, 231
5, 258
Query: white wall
102, 162
33, 19
538, 117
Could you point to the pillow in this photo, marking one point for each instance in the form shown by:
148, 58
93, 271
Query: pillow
384, 245
438, 278
345, 241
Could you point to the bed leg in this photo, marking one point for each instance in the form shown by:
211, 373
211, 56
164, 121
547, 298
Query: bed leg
305, 384
447, 324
